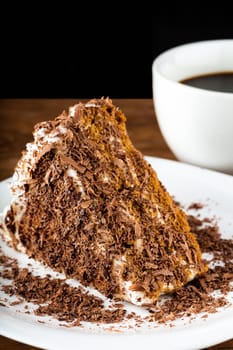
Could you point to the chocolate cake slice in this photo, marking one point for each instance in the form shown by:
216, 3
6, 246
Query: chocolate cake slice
86, 203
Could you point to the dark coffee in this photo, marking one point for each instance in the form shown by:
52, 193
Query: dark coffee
214, 81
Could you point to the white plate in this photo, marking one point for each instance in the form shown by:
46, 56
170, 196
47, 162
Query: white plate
188, 184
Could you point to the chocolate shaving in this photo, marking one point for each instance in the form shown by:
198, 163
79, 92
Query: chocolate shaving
93, 208
63, 302
195, 206
54, 297
91, 198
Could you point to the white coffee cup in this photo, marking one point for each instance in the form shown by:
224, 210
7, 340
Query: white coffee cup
196, 123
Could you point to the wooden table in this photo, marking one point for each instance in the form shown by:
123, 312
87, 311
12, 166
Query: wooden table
17, 117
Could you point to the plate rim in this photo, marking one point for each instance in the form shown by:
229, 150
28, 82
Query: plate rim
192, 332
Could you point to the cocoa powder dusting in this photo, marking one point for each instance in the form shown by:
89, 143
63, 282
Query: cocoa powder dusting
54, 297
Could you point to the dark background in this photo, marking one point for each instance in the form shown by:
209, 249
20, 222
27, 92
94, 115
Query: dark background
81, 57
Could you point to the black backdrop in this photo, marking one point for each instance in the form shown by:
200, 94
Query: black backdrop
85, 59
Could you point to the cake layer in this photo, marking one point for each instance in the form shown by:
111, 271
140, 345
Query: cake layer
88, 204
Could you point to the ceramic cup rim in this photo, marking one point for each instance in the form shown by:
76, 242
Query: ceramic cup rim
163, 57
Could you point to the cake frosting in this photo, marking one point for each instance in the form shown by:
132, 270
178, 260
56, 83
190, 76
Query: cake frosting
87, 203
